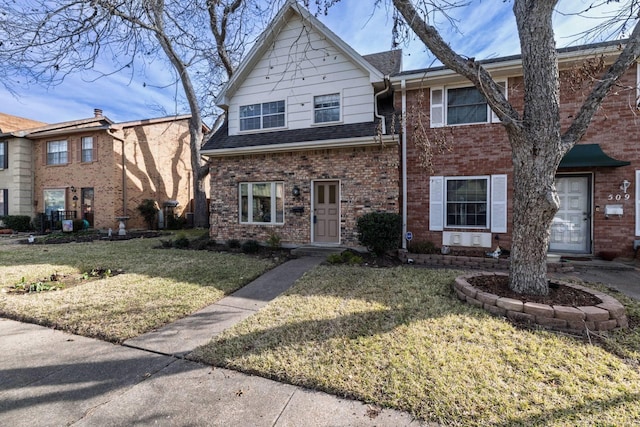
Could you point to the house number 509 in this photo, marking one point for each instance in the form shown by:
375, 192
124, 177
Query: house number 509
618, 197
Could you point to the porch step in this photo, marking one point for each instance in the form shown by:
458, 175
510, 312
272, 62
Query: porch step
318, 251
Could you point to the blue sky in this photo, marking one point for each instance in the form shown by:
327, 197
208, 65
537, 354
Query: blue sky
486, 29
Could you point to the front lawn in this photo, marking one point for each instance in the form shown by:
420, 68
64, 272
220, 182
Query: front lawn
154, 287
399, 338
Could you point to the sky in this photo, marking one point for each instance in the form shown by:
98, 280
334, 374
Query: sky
485, 29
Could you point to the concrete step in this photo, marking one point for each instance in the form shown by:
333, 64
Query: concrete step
317, 251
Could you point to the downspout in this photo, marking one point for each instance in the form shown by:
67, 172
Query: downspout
124, 173
387, 87
403, 85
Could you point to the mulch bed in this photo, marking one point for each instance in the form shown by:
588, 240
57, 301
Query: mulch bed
558, 294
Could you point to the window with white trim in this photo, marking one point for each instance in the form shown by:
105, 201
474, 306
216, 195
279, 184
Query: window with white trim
262, 116
468, 202
4, 157
57, 152
326, 108
452, 106
262, 203
86, 149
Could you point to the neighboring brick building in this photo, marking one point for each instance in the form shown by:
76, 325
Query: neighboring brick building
305, 149
99, 170
464, 201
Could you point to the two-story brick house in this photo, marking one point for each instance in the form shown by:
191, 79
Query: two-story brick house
308, 145
99, 170
298, 156
464, 201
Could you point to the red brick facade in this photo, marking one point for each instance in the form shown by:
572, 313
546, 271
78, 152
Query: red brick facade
368, 180
483, 149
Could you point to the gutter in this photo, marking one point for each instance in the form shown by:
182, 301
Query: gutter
403, 85
387, 87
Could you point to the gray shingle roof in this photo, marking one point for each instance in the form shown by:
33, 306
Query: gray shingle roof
389, 62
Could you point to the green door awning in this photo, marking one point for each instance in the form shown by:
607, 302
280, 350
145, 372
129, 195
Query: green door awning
589, 155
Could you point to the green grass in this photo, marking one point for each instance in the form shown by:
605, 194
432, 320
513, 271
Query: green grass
399, 338
157, 286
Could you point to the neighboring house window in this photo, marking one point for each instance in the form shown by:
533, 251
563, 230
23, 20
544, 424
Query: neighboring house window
262, 116
461, 105
4, 155
4, 202
56, 152
326, 108
54, 201
86, 154
468, 202
262, 203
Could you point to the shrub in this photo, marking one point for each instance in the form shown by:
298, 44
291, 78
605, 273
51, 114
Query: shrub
17, 222
175, 222
346, 257
233, 243
78, 224
181, 242
250, 247
274, 241
426, 247
148, 211
380, 231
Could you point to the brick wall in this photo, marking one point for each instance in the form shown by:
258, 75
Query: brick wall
368, 182
483, 149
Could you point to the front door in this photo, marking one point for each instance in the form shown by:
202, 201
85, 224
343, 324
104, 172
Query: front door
571, 227
326, 212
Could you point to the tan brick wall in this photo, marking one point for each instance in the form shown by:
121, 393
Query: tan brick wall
157, 167
368, 182
483, 149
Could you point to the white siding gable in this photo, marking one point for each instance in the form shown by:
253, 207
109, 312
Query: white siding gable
299, 65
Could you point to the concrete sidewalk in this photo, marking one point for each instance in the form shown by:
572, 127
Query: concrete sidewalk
51, 378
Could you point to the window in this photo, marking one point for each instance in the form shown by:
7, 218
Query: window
468, 202
54, 201
4, 157
86, 153
326, 108
262, 116
262, 203
461, 105
4, 202
56, 152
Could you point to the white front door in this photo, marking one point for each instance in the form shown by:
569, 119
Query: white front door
571, 227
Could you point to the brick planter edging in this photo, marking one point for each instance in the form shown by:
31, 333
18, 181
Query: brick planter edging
609, 314
470, 262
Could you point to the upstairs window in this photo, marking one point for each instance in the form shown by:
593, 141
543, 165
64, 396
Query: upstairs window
4, 157
452, 106
326, 108
57, 153
262, 116
86, 151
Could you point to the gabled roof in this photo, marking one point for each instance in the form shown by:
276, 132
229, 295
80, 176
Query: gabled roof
82, 125
10, 123
389, 62
260, 48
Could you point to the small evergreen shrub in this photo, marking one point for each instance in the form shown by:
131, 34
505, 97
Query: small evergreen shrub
181, 242
274, 241
17, 222
233, 243
250, 247
346, 257
380, 231
426, 247
148, 211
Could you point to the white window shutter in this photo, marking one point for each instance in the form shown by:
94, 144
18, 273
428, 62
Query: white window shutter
436, 203
437, 107
498, 203
638, 203
494, 116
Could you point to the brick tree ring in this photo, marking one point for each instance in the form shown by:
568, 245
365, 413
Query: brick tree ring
606, 315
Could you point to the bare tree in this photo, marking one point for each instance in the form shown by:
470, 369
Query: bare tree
44, 41
537, 142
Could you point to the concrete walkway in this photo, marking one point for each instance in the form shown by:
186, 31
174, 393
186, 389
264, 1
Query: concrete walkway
51, 378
